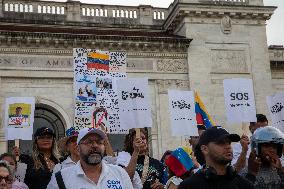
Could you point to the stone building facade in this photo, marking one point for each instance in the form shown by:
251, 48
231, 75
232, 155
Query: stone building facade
191, 45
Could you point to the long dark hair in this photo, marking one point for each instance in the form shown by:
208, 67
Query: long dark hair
129, 138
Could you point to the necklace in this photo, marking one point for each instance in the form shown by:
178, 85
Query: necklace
50, 164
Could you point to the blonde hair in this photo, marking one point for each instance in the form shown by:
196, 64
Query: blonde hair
36, 153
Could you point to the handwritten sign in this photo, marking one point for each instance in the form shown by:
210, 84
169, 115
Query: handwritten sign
239, 100
182, 113
275, 105
19, 117
134, 103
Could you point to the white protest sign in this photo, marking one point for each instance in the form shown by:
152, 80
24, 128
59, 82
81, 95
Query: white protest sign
275, 105
134, 103
239, 100
182, 113
19, 118
94, 73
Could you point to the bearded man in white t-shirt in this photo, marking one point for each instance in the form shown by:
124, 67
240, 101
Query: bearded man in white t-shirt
90, 171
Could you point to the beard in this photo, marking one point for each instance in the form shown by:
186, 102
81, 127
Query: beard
92, 157
220, 160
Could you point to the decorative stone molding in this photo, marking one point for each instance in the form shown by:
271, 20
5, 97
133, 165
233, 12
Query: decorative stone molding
172, 65
226, 25
228, 61
68, 52
164, 85
181, 11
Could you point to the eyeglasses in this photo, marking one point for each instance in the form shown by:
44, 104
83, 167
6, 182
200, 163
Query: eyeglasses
47, 137
92, 142
7, 179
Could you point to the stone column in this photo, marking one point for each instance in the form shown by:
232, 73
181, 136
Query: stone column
73, 11
2, 6
256, 2
3, 143
145, 14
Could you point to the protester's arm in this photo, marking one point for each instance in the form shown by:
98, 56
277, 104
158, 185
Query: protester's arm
241, 161
276, 163
109, 150
253, 166
131, 167
172, 186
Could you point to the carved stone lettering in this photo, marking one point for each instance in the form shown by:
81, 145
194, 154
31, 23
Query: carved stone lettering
172, 65
139, 64
228, 61
5, 61
35, 62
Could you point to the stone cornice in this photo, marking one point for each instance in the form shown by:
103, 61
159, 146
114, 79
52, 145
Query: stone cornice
18, 39
30, 36
68, 52
182, 10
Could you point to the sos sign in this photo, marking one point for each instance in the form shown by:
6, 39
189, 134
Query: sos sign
239, 96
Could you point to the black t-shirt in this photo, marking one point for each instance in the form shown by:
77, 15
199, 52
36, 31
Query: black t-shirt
155, 171
198, 181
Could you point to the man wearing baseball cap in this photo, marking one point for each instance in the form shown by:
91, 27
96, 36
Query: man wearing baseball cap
90, 171
215, 147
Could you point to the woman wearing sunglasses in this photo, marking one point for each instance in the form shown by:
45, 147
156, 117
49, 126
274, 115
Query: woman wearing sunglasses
45, 156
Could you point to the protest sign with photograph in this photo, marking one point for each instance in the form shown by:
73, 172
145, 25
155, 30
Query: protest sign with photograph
95, 72
19, 117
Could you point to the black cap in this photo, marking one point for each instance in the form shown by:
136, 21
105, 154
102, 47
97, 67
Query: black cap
215, 134
201, 127
44, 131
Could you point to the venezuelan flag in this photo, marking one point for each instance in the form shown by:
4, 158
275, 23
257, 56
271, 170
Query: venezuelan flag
98, 61
202, 116
180, 161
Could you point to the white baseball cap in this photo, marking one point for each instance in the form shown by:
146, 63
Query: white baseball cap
86, 131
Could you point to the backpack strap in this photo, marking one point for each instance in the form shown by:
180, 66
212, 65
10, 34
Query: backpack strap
59, 180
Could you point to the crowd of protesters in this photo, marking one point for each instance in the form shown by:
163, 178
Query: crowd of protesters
215, 159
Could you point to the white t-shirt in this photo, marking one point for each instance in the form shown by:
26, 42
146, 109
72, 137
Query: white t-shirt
112, 177
123, 159
68, 162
